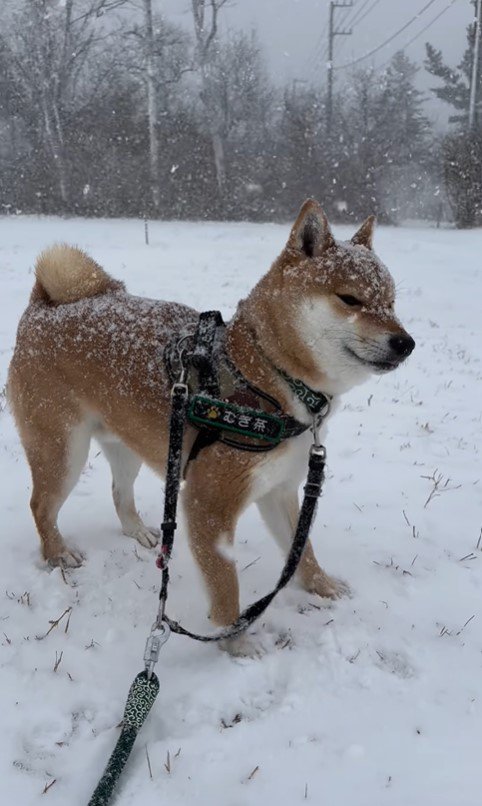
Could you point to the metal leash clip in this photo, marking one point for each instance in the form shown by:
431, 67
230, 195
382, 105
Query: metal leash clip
182, 353
317, 448
160, 633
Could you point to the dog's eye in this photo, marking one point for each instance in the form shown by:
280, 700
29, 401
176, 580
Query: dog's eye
349, 300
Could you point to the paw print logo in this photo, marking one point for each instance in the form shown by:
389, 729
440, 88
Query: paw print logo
212, 413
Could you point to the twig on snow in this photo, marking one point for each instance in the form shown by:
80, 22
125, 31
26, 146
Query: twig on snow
439, 486
253, 562
467, 622
148, 763
54, 623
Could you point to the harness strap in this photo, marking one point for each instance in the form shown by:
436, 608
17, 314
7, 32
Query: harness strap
204, 438
202, 355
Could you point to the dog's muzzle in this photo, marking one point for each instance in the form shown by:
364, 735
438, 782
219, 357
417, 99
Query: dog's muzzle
399, 346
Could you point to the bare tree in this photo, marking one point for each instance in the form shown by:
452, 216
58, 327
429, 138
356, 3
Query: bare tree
158, 58
152, 110
53, 44
205, 16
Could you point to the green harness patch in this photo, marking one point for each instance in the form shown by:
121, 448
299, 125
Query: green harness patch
211, 413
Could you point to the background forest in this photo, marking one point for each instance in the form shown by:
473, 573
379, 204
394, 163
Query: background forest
107, 109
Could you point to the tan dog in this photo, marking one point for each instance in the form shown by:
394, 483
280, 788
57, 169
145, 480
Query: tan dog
89, 362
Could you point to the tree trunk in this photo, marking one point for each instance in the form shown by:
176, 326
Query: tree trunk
55, 145
152, 108
205, 37
219, 161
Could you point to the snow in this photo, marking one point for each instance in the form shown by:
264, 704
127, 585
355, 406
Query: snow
372, 700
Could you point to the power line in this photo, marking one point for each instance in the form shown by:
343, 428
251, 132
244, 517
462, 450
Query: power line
357, 18
358, 9
422, 30
320, 52
345, 14
313, 58
387, 41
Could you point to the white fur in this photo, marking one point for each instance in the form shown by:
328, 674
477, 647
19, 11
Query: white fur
78, 449
125, 466
327, 334
225, 547
274, 511
279, 467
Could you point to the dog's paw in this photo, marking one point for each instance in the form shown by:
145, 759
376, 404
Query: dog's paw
144, 535
328, 587
244, 646
66, 558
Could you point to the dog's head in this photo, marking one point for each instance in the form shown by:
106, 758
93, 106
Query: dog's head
342, 301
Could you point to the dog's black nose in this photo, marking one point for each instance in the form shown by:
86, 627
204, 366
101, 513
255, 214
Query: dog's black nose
401, 345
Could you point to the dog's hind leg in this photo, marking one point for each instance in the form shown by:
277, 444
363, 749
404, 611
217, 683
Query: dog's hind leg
57, 457
125, 466
279, 510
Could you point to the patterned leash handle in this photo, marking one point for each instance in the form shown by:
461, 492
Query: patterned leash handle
140, 700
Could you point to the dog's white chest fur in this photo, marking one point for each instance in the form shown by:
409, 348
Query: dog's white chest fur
287, 467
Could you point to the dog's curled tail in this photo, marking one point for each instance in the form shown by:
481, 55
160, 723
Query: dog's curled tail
67, 274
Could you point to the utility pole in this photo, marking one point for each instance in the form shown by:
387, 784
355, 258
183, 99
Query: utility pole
475, 74
332, 32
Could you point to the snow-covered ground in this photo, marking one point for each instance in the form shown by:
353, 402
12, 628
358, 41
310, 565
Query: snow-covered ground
373, 700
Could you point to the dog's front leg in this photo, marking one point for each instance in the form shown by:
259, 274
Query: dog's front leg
279, 510
212, 503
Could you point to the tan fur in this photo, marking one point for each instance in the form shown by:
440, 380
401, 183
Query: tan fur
68, 274
86, 367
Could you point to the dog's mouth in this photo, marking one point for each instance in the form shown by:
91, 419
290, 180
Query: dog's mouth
377, 366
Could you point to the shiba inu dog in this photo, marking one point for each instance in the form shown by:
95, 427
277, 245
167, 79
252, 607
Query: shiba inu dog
88, 362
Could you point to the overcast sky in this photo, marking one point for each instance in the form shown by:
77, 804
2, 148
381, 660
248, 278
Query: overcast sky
294, 32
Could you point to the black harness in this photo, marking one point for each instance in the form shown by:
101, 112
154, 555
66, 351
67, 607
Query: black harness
213, 417
216, 412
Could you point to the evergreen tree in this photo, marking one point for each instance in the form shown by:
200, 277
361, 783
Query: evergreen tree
383, 139
455, 89
462, 150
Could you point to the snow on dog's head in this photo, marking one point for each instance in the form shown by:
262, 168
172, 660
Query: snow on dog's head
337, 300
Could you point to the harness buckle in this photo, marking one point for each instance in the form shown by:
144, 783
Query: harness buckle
180, 386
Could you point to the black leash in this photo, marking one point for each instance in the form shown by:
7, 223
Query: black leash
145, 687
312, 492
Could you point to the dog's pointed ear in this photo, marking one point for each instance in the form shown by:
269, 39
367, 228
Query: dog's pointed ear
311, 234
364, 236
